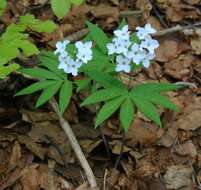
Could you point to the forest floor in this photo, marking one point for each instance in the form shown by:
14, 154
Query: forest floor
34, 151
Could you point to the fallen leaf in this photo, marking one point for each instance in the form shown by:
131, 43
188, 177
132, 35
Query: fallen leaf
141, 132
180, 68
178, 176
190, 121
32, 146
186, 148
15, 156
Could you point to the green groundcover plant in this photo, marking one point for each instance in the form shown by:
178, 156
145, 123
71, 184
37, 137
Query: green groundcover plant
61, 7
99, 61
15, 41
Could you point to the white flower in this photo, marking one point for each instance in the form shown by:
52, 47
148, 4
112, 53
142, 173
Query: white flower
142, 32
118, 46
122, 34
69, 65
123, 64
147, 60
149, 44
61, 47
136, 55
84, 51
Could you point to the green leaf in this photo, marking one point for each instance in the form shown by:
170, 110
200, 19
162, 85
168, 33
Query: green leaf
36, 87
156, 98
154, 87
99, 62
108, 109
28, 48
6, 70
103, 95
77, 2
106, 80
65, 95
146, 108
40, 73
126, 113
98, 36
3, 4
82, 83
60, 7
52, 65
37, 25
123, 23
48, 93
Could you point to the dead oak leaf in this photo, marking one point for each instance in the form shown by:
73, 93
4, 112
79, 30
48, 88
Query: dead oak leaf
15, 156
178, 176
141, 132
186, 148
169, 49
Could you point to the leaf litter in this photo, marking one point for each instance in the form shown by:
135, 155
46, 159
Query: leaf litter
34, 152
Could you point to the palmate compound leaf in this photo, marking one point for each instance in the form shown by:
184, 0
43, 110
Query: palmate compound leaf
48, 93
51, 63
106, 80
82, 84
98, 36
158, 99
103, 95
155, 87
108, 109
146, 108
36, 87
126, 114
65, 95
40, 73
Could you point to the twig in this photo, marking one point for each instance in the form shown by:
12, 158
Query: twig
160, 18
135, 13
75, 145
177, 28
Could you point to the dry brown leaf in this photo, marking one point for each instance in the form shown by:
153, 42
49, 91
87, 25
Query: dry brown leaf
190, 121
36, 176
141, 132
105, 11
89, 145
178, 176
15, 156
31, 117
196, 45
180, 68
32, 146
186, 148
145, 168
169, 49
168, 137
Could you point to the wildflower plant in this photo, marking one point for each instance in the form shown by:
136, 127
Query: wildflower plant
100, 60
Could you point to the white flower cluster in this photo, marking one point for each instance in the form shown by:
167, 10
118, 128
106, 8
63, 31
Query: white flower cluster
128, 52
66, 62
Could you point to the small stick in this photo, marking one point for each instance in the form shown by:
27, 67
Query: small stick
75, 145
160, 18
135, 13
177, 28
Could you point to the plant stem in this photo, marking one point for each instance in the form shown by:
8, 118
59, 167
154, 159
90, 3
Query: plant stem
75, 145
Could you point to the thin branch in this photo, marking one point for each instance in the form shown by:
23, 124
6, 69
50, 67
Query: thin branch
177, 28
135, 13
75, 145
